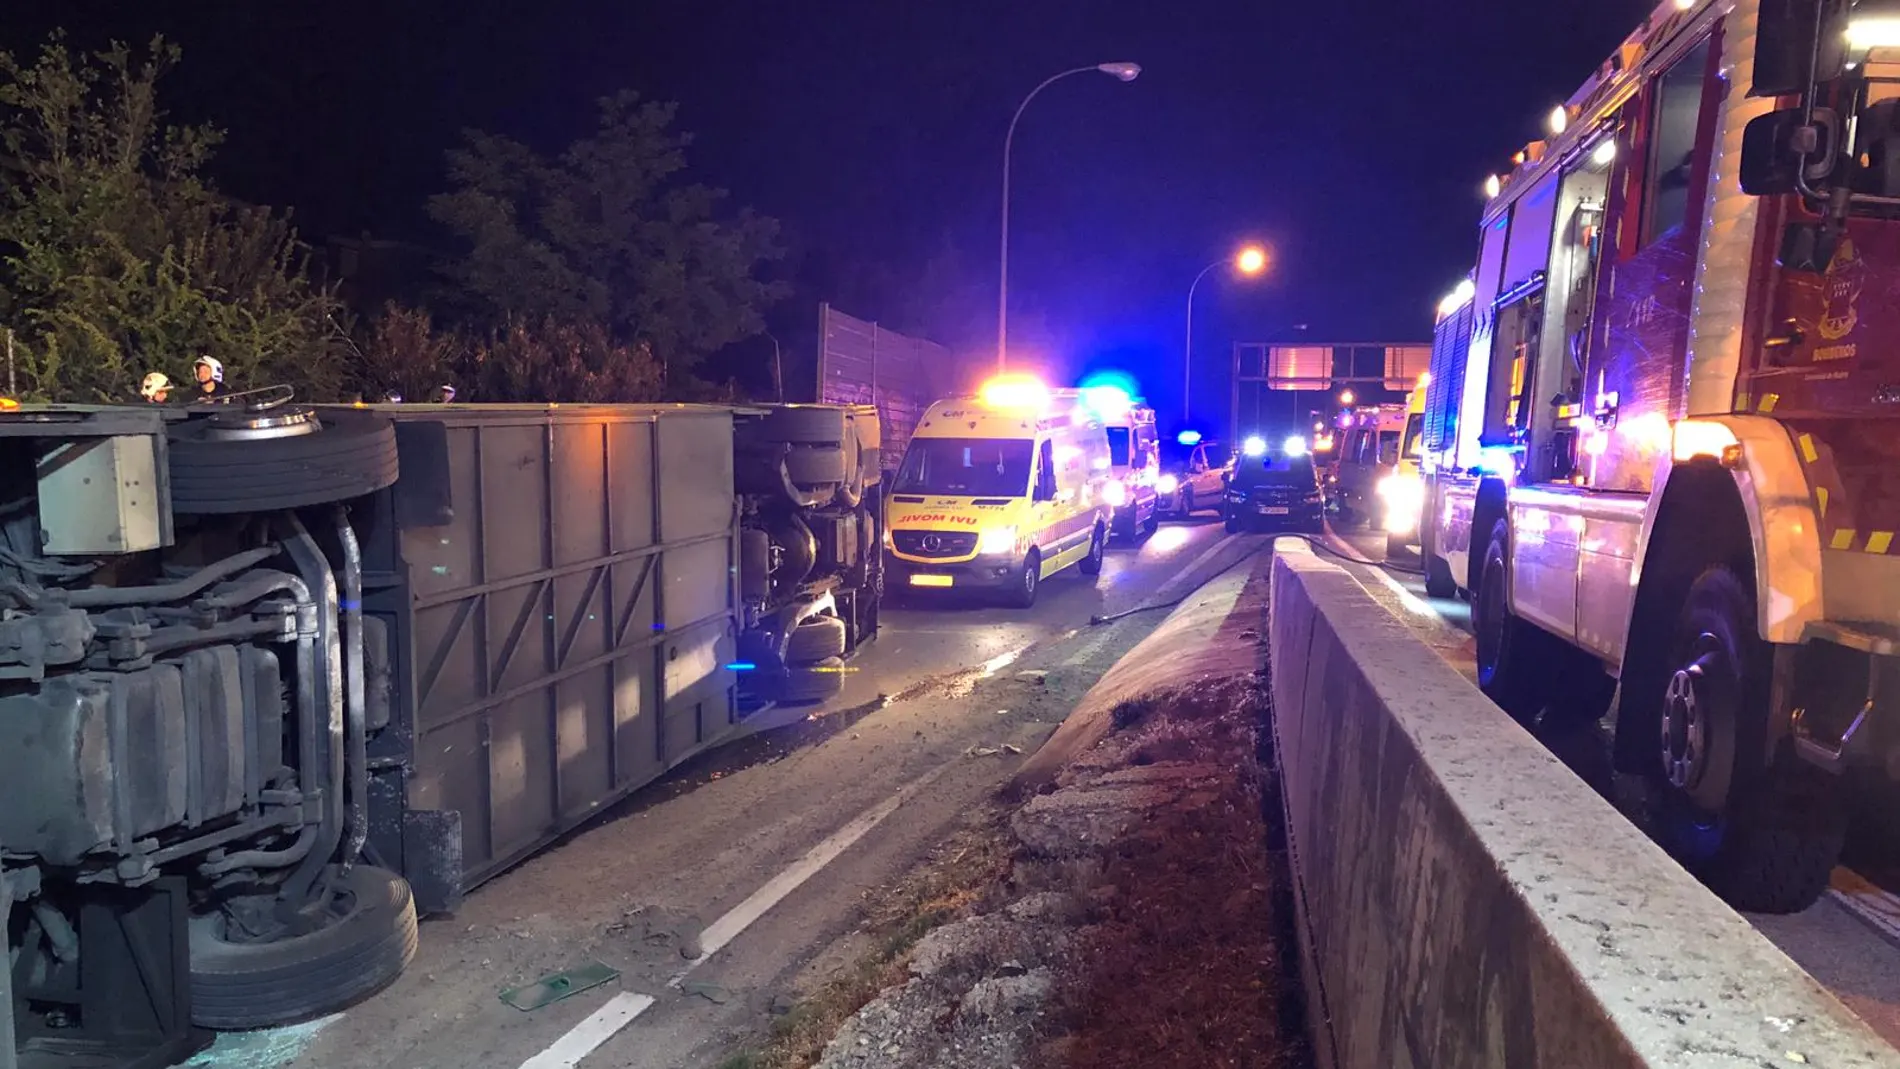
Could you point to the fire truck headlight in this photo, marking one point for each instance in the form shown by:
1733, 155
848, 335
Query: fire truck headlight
1404, 497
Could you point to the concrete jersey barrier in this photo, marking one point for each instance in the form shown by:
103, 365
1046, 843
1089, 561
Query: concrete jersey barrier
1465, 900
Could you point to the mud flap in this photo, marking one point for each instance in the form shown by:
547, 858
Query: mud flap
432, 858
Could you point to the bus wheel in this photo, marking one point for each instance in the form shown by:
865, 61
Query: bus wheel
1762, 832
1028, 581
1508, 648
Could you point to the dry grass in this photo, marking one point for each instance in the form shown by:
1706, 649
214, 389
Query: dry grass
1185, 967
961, 873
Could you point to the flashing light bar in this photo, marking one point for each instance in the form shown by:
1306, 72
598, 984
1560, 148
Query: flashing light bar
1015, 391
1188, 438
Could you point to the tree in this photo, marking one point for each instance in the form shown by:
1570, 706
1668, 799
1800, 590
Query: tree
521, 361
607, 233
117, 257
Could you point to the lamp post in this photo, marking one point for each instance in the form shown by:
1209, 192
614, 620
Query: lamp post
1125, 72
778, 369
1250, 261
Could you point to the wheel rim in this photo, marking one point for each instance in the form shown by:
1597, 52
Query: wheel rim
1490, 623
1687, 708
1032, 569
1096, 548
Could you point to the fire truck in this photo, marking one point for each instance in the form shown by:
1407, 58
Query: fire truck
1663, 429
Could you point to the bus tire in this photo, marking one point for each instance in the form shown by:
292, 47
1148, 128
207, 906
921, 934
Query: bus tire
369, 939
353, 454
1762, 830
816, 639
809, 684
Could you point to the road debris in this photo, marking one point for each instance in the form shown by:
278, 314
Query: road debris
557, 986
712, 993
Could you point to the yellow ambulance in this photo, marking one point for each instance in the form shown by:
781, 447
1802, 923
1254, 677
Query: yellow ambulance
1000, 491
1401, 491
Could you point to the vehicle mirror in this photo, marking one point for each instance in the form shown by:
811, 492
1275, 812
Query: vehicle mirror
1877, 146
1776, 148
1808, 247
1785, 45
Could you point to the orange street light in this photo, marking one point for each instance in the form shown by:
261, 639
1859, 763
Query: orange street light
1250, 262
1347, 397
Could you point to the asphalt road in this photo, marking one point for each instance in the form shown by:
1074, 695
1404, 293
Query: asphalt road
761, 855
1849, 941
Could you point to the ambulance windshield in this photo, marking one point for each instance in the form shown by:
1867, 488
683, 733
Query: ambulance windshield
965, 467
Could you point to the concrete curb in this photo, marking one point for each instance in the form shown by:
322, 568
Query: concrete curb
1464, 900
1213, 634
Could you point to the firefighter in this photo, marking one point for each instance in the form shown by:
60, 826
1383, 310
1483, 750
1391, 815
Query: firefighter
210, 374
445, 394
156, 388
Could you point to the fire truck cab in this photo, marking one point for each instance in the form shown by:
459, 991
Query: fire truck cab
1662, 432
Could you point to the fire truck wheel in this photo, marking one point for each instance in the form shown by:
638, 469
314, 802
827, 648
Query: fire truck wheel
1763, 832
352, 455
1438, 580
814, 640
1509, 650
369, 937
813, 683
1098, 547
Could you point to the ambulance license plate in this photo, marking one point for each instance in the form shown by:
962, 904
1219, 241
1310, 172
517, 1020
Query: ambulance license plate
1276, 510
932, 580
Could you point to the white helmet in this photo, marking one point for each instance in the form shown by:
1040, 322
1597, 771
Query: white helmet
154, 384
212, 362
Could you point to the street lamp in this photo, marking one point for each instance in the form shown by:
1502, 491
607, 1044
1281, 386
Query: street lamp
778, 369
1347, 397
1123, 72
1251, 262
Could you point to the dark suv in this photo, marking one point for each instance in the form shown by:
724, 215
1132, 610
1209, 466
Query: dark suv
1273, 491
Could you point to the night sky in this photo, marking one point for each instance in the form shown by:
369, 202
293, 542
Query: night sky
1351, 135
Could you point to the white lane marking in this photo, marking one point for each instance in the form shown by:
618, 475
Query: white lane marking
1875, 906
1089, 649
581, 1040
1187, 573
740, 917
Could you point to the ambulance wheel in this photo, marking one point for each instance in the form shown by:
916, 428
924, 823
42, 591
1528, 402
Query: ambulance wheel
1098, 547
1028, 581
